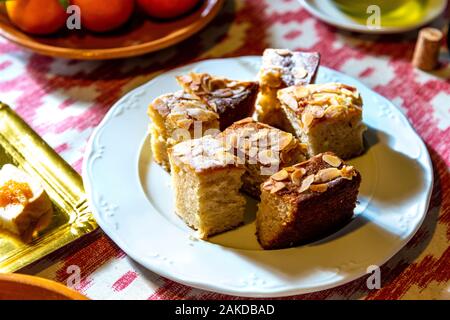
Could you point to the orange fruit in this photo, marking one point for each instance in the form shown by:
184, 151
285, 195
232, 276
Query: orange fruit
166, 9
37, 16
101, 15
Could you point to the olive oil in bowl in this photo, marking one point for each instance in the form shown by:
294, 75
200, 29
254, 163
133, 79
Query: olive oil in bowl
393, 13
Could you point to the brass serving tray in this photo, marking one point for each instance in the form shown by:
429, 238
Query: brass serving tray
23, 147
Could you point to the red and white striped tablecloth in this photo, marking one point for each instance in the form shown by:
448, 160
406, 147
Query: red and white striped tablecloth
63, 100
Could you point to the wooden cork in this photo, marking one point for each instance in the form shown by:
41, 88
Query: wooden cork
426, 54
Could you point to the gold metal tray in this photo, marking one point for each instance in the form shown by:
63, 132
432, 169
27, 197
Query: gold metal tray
23, 147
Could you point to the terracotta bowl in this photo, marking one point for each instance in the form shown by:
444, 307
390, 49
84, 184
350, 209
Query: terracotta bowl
23, 287
138, 36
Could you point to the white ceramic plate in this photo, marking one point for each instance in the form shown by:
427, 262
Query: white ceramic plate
327, 11
132, 201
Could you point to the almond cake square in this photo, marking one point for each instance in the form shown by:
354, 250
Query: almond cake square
231, 99
263, 150
306, 201
327, 117
282, 68
176, 117
206, 179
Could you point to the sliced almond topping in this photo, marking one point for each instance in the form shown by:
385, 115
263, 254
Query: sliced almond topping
329, 87
280, 175
267, 185
301, 92
336, 101
348, 87
306, 183
290, 169
322, 102
283, 52
335, 111
304, 146
296, 176
185, 78
319, 187
348, 172
223, 93
184, 123
317, 112
300, 165
307, 119
289, 101
347, 92
277, 187
201, 114
244, 121
326, 175
300, 72
332, 160
284, 141
285, 157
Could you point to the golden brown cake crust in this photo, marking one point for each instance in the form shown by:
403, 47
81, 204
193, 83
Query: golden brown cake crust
231, 99
321, 193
